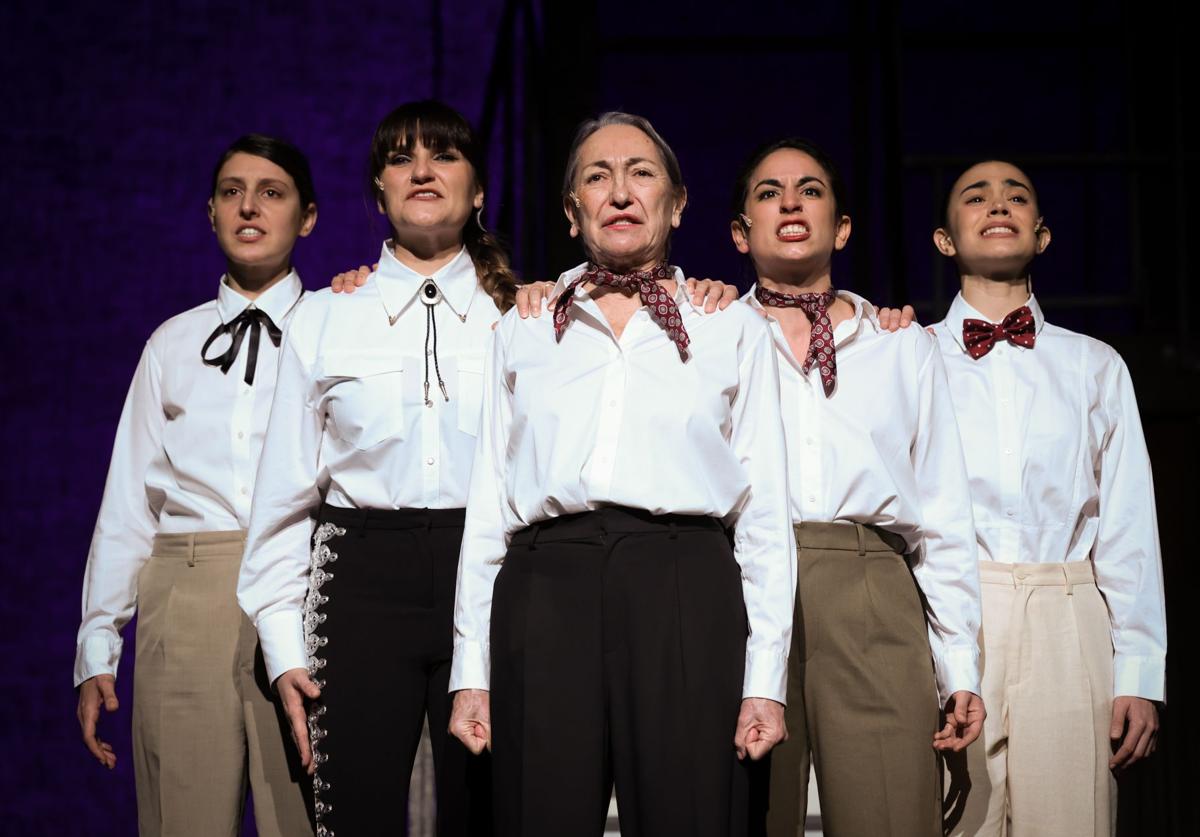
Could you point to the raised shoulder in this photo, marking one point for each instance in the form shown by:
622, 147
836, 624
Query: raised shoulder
1098, 357
741, 315
183, 325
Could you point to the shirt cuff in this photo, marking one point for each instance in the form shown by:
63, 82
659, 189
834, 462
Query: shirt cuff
957, 671
471, 667
98, 653
281, 635
1143, 677
766, 676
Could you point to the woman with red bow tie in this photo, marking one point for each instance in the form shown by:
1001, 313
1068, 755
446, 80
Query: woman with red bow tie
1074, 632
882, 522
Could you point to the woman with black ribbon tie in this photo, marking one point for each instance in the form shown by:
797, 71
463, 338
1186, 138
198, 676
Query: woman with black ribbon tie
354, 540
608, 626
169, 537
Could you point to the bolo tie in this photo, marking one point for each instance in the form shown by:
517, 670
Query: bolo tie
430, 295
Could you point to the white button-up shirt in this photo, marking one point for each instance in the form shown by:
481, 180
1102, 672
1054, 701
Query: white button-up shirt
350, 425
598, 421
1059, 472
184, 458
884, 450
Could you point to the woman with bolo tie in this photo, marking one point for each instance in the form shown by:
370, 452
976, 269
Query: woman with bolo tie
169, 537
353, 548
607, 625
885, 547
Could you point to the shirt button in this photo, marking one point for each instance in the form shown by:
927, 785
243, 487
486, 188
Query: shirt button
809, 440
1011, 513
1022, 575
812, 498
1008, 451
429, 461
612, 403
241, 435
245, 490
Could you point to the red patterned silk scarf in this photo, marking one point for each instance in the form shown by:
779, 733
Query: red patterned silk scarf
820, 343
658, 302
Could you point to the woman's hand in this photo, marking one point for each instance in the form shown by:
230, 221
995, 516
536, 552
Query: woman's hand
530, 296
1135, 720
760, 727
93, 693
294, 687
964, 722
711, 293
893, 319
471, 719
352, 280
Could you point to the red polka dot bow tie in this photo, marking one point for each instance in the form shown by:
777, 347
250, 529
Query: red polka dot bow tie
658, 302
820, 341
1018, 328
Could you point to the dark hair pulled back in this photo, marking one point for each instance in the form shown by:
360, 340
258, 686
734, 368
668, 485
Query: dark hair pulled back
280, 152
741, 188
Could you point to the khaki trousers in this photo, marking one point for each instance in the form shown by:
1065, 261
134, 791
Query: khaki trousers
861, 693
203, 717
1041, 765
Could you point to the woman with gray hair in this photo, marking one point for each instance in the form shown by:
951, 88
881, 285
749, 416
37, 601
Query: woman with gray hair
624, 597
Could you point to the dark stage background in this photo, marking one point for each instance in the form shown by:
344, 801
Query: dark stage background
115, 113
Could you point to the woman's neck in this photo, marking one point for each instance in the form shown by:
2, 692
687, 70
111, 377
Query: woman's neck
253, 282
817, 281
426, 255
995, 298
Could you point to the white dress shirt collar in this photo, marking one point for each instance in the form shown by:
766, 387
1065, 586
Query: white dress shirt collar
398, 283
276, 301
961, 310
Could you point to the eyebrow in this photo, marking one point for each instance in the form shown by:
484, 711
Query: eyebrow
1008, 181
632, 161
770, 181
241, 181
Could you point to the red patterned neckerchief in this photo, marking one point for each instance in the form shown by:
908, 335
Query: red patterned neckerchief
658, 302
1018, 328
820, 342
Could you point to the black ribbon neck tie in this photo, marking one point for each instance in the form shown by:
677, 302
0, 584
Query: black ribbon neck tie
252, 320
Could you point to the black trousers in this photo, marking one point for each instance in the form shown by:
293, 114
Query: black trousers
381, 618
618, 646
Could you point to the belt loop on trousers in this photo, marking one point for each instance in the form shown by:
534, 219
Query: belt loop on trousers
537, 530
191, 548
362, 523
674, 534
862, 541
1067, 579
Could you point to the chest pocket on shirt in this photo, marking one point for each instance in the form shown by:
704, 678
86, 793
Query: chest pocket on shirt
364, 396
470, 392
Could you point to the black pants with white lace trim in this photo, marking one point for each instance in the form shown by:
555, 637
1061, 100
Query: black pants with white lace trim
379, 623
618, 643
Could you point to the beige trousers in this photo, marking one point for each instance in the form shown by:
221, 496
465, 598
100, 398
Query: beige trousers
862, 702
203, 718
1041, 765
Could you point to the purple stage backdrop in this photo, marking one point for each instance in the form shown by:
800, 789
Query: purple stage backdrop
114, 115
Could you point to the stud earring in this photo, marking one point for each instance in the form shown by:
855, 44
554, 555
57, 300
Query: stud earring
379, 184
746, 222
575, 198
